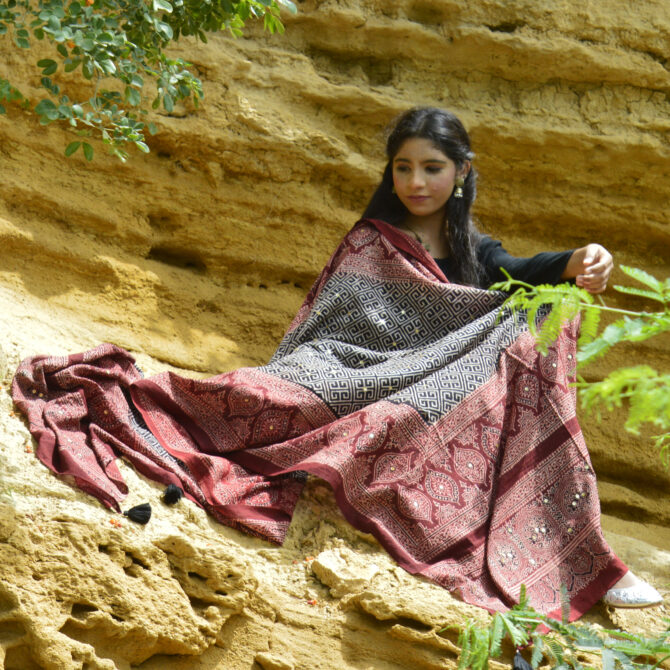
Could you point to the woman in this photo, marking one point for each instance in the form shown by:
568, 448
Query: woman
420, 400
427, 190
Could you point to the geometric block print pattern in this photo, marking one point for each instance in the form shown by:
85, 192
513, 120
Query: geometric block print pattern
367, 339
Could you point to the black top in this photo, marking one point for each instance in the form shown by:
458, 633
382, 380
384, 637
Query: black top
543, 268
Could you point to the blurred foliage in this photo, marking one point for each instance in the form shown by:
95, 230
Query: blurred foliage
561, 645
641, 388
119, 46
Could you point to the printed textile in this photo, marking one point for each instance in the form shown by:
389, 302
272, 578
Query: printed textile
423, 403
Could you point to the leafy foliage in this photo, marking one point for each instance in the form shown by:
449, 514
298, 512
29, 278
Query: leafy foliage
644, 390
119, 46
565, 646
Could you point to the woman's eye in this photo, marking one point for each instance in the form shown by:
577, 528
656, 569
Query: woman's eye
433, 169
401, 168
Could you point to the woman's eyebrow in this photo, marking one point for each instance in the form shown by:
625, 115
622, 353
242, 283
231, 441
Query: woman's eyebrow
400, 159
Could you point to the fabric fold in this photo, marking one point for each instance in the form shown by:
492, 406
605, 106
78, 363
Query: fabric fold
423, 403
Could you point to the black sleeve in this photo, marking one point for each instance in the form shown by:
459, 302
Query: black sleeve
543, 268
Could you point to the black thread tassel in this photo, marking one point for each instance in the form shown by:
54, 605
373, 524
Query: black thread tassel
173, 494
139, 513
520, 663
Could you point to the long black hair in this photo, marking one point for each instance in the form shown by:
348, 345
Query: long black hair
448, 135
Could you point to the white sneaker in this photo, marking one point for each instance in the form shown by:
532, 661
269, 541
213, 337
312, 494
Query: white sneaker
638, 595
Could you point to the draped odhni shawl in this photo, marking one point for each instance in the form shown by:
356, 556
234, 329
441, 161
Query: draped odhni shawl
423, 403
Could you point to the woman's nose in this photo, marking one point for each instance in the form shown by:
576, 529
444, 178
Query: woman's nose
416, 179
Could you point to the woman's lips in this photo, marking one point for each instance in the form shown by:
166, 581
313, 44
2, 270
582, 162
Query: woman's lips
418, 198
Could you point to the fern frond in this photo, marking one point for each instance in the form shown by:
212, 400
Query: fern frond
608, 660
643, 277
589, 326
555, 649
641, 293
645, 389
465, 644
479, 657
662, 443
538, 650
523, 598
625, 662
517, 634
497, 632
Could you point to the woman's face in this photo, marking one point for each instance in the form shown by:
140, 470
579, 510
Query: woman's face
423, 177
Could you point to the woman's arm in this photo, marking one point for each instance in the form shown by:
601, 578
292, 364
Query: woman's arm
590, 267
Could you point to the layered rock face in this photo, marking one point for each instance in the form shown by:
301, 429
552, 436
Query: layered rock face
197, 256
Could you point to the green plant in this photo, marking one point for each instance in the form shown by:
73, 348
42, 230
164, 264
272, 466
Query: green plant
645, 390
118, 46
563, 645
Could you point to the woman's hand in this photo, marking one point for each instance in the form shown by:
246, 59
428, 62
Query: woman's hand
590, 267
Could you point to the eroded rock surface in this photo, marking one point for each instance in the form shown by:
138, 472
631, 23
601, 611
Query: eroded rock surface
196, 257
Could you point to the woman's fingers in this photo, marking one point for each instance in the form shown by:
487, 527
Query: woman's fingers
597, 269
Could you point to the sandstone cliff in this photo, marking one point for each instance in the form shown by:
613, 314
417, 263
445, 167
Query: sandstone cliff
196, 257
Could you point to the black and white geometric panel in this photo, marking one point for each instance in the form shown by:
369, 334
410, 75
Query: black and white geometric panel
367, 339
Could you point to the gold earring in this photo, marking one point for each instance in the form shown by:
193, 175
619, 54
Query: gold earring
458, 191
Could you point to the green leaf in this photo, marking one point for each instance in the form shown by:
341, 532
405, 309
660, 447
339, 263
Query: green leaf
2, 109
48, 66
288, 4
133, 96
108, 66
643, 277
168, 103
142, 147
163, 5
22, 43
47, 109
62, 50
71, 148
152, 128
88, 151
71, 64
165, 30
642, 293
538, 646
497, 631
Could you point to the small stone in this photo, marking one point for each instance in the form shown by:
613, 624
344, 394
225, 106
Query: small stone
271, 662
